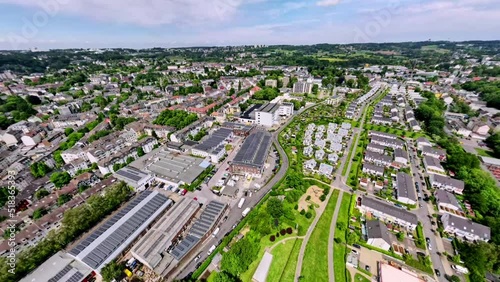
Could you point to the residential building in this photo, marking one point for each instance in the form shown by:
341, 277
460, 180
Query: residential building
373, 169
447, 202
378, 159
401, 156
372, 147
388, 213
271, 83
405, 191
432, 165
434, 152
302, 87
387, 142
446, 183
422, 142
465, 228
377, 235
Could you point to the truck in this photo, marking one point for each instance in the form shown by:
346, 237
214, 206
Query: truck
460, 269
211, 250
245, 212
240, 204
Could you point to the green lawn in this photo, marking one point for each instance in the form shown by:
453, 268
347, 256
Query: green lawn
315, 263
391, 130
339, 249
360, 278
485, 153
288, 274
281, 255
344, 170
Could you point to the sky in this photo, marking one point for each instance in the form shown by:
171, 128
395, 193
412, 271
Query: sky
50, 24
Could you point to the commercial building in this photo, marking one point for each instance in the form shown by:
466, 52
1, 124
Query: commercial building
252, 155
214, 146
269, 114
171, 168
135, 178
465, 228
387, 212
116, 233
405, 191
60, 267
152, 249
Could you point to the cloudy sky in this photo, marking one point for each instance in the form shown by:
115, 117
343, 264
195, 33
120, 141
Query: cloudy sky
177, 23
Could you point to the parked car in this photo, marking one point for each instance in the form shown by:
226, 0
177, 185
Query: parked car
356, 246
438, 273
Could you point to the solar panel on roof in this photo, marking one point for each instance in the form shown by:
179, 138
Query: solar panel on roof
76, 277
61, 273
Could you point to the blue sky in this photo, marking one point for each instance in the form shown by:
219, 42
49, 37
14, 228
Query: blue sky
177, 23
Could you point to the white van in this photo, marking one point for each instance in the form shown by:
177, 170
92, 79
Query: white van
211, 250
216, 232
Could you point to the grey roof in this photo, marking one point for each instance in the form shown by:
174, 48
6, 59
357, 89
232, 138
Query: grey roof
467, 225
61, 267
373, 167
116, 233
378, 156
269, 108
214, 140
130, 174
374, 147
400, 153
377, 230
389, 141
254, 150
390, 210
446, 180
204, 224
405, 186
446, 197
435, 151
431, 161
382, 134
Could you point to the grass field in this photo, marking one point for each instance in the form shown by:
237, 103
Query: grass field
281, 255
315, 264
360, 278
485, 153
344, 170
288, 274
339, 249
332, 59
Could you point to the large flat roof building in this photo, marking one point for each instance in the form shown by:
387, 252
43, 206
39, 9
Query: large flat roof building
58, 268
253, 153
135, 178
115, 234
171, 167
152, 248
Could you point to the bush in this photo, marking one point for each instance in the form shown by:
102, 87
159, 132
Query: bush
277, 234
282, 232
272, 238
322, 198
296, 207
308, 214
308, 197
289, 230
302, 212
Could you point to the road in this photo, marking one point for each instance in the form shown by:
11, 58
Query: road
234, 215
424, 213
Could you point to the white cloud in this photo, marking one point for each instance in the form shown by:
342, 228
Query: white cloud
142, 12
325, 3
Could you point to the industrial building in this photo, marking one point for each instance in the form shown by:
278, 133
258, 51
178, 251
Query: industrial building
60, 267
214, 145
270, 114
135, 178
252, 156
152, 249
115, 234
171, 168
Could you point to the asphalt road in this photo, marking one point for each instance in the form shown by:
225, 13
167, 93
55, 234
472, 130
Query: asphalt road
234, 213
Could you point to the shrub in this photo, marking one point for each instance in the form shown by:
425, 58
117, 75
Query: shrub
322, 198
296, 207
277, 234
289, 230
308, 214
308, 197
302, 212
282, 232
337, 240
272, 238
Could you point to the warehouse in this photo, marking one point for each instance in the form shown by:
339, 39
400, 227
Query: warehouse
151, 250
115, 234
135, 178
172, 168
251, 158
60, 267
214, 145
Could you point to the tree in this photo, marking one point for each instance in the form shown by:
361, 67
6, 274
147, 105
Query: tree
275, 207
63, 199
315, 89
240, 256
39, 169
140, 151
225, 276
34, 100
38, 213
112, 271
68, 131
41, 193
60, 179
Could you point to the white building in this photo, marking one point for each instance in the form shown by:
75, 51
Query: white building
465, 228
